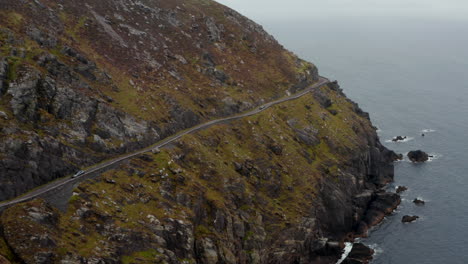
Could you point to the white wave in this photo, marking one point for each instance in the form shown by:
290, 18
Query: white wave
346, 251
377, 250
428, 130
404, 140
434, 156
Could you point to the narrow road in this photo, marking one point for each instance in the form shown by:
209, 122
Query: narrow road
61, 182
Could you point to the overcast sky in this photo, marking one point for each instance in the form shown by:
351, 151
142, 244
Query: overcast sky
303, 9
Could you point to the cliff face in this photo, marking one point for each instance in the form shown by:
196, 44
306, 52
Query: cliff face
282, 186
81, 81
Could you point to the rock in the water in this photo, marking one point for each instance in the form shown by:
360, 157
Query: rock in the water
418, 156
401, 189
418, 201
399, 138
359, 254
409, 218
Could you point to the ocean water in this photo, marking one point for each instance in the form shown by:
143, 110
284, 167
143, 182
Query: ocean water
411, 76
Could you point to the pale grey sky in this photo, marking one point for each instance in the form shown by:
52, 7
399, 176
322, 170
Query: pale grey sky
303, 9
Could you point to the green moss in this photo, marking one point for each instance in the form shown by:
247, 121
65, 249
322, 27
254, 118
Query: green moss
202, 231
148, 256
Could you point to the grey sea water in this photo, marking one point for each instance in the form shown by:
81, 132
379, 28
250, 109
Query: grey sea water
410, 75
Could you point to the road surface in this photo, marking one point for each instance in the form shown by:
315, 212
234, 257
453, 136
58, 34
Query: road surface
63, 181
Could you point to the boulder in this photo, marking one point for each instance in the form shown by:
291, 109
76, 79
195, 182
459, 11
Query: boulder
418, 201
418, 156
409, 218
401, 189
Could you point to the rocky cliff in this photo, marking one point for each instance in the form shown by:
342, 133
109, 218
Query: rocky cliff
84, 81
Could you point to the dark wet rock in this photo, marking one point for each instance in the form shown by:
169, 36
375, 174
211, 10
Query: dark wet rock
418, 201
409, 218
418, 156
360, 254
399, 138
401, 189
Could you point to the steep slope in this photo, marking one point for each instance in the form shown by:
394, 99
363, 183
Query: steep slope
84, 80
284, 186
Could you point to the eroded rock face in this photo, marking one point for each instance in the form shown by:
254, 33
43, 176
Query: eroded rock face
37, 99
380, 204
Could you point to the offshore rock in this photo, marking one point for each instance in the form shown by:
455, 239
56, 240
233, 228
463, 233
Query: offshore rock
418, 201
418, 156
409, 218
401, 189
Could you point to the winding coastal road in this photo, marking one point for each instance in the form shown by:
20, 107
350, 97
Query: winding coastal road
63, 181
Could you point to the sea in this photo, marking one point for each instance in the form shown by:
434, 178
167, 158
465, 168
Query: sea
411, 75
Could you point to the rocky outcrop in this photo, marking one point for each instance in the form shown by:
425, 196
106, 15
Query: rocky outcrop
418, 201
418, 156
398, 138
380, 204
70, 119
401, 189
409, 218
360, 254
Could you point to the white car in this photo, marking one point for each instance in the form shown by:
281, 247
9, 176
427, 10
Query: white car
79, 173
262, 107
